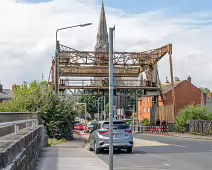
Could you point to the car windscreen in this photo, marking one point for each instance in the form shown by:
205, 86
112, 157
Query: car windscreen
116, 125
78, 124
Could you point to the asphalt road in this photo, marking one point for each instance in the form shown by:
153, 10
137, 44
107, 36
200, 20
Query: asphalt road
179, 154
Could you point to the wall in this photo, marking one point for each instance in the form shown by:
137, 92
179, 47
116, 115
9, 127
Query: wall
20, 152
145, 104
9, 117
185, 94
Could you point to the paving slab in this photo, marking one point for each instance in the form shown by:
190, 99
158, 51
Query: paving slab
70, 155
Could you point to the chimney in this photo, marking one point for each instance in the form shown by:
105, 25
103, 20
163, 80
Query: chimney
167, 81
13, 87
1, 88
189, 79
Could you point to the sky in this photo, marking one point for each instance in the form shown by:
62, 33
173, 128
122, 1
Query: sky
27, 32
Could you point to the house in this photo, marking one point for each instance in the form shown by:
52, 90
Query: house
185, 93
5, 94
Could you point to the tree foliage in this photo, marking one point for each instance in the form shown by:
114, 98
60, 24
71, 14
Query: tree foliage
207, 91
192, 112
57, 115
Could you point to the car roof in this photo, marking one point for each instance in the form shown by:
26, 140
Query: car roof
113, 121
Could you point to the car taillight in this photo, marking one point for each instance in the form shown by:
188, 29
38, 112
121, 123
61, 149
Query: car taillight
103, 132
128, 131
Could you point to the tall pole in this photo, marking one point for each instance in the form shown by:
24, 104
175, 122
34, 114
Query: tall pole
56, 66
172, 77
85, 111
104, 109
202, 97
101, 107
57, 51
111, 87
98, 108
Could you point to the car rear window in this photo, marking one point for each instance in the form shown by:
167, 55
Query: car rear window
116, 125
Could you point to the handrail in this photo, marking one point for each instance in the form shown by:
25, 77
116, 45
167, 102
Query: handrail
17, 123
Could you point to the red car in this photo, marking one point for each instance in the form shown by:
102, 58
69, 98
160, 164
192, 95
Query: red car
78, 126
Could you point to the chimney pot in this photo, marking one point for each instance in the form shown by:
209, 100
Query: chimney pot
189, 79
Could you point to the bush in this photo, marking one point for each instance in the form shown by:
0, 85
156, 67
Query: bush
59, 118
146, 122
192, 112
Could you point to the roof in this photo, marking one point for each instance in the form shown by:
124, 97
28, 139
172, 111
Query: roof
167, 87
6, 94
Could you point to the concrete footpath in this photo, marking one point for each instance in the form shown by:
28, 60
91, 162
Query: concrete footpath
70, 155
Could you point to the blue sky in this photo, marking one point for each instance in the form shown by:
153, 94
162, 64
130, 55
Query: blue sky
172, 7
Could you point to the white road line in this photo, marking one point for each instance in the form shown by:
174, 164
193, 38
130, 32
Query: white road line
180, 146
144, 167
166, 164
210, 150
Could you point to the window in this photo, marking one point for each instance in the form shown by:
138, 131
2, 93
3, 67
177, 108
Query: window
148, 110
144, 109
144, 99
148, 99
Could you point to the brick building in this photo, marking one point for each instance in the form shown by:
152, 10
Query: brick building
185, 93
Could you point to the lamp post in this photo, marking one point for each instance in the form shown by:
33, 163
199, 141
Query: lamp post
85, 108
57, 51
111, 87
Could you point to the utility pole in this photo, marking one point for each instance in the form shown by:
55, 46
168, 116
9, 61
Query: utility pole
104, 109
202, 97
42, 77
111, 87
101, 107
98, 108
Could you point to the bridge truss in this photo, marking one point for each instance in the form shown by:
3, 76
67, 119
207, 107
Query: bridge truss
74, 66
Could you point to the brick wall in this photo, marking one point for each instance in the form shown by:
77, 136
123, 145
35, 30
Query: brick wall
185, 94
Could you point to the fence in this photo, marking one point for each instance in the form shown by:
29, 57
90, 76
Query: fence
162, 113
150, 129
21, 123
202, 127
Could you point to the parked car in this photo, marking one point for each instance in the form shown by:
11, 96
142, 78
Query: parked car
90, 127
122, 136
78, 126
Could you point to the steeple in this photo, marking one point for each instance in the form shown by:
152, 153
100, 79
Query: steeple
102, 44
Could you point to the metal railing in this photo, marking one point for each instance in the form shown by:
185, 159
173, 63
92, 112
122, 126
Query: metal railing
150, 129
16, 124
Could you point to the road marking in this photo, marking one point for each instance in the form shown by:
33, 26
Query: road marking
210, 150
181, 146
165, 165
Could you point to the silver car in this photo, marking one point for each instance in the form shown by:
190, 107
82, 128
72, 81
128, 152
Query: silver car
122, 136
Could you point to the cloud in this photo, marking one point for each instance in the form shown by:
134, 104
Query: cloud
27, 41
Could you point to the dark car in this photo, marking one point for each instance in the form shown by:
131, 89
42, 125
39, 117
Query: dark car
90, 127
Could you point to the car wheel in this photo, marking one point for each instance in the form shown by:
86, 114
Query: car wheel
129, 150
96, 150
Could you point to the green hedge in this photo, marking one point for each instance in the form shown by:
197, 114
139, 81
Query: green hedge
192, 112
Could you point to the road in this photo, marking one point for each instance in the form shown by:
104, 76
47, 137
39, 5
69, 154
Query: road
164, 152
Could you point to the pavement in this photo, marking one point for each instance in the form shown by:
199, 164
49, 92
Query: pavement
157, 152
70, 155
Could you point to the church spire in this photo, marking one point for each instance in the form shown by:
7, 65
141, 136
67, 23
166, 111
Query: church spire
102, 44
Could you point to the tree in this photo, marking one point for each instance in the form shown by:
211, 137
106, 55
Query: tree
57, 115
207, 91
192, 112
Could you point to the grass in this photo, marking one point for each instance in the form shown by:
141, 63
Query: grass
53, 142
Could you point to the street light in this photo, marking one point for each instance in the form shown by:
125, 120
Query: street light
85, 108
57, 50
